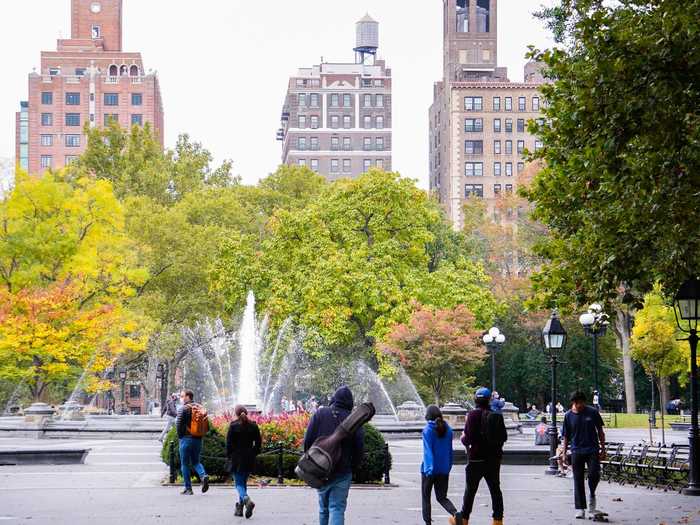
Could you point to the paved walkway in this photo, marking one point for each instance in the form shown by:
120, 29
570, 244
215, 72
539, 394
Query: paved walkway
120, 484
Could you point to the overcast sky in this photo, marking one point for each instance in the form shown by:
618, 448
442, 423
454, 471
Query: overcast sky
224, 64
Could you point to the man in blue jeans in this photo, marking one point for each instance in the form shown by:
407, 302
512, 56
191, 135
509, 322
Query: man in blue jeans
333, 496
190, 446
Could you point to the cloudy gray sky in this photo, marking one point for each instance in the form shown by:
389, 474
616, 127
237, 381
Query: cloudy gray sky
224, 64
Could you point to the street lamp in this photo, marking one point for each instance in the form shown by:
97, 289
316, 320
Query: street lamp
553, 341
493, 339
162, 376
122, 378
686, 306
595, 324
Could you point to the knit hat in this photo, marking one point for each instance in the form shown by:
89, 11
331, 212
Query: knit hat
432, 413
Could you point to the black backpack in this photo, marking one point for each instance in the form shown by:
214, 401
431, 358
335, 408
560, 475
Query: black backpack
489, 441
317, 464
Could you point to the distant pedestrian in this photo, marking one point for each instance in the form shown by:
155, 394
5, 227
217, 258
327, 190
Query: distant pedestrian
596, 400
243, 443
170, 413
533, 413
192, 425
333, 496
437, 464
484, 435
583, 432
300, 407
560, 408
497, 403
542, 432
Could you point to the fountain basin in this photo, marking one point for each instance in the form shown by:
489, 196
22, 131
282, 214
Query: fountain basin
43, 456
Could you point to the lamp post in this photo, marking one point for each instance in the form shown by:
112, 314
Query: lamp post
162, 376
493, 339
686, 306
595, 324
553, 341
122, 378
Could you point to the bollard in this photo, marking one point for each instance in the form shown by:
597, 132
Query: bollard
280, 466
387, 468
173, 473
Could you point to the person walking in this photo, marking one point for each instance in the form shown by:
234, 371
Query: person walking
583, 432
169, 410
243, 442
542, 432
484, 435
333, 496
437, 464
192, 425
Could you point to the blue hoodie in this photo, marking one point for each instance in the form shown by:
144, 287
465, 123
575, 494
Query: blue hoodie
437, 451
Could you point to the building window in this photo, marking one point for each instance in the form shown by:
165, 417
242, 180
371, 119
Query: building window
474, 169
347, 144
497, 103
380, 101
347, 122
72, 141
72, 119
379, 143
46, 161
474, 147
80, 71
367, 143
509, 103
335, 121
509, 169
366, 165
47, 98
496, 147
496, 169
47, 119
347, 166
476, 190
368, 101
496, 189
314, 144
347, 102
380, 164
313, 99
302, 121
72, 99
96, 32
302, 99
114, 117
301, 162
111, 99
473, 125
314, 164
380, 122
314, 121
335, 143
521, 167
538, 145
521, 147
366, 122
47, 140
509, 125
535, 103
521, 104
134, 391
335, 166
509, 188
301, 143
54, 71
462, 16
70, 159
334, 100
136, 99
497, 125
137, 119
473, 103
378, 82
509, 147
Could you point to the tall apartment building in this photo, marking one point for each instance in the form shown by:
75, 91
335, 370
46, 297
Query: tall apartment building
478, 119
336, 117
88, 79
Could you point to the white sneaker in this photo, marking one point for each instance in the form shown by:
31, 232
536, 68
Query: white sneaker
580, 514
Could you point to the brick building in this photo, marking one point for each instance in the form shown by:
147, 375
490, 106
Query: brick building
88, 79
337, 117
478, 120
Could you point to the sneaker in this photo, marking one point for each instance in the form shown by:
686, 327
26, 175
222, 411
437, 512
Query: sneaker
580, 514
187, 492
249, 506
205, 484
239, 510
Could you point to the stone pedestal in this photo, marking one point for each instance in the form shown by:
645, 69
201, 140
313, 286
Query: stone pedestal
511, 418
410, 411
454, 414
38, 414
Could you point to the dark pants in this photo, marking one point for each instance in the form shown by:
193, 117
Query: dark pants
491, 472
578, 465
190, 451
439, 482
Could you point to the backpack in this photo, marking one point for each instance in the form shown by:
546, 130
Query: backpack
318, 463
488, 439
199, 422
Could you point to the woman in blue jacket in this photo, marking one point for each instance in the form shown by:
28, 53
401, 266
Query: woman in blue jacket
437, 463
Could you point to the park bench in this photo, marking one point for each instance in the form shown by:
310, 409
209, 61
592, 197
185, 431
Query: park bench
614, 454
649, 465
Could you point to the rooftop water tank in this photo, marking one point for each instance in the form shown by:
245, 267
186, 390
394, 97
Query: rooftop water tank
367, 33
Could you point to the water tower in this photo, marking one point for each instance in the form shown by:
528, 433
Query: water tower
367, 39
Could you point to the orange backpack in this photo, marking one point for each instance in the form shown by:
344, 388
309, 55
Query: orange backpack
199, 423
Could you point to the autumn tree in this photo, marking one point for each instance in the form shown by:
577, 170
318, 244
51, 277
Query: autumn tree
439, 348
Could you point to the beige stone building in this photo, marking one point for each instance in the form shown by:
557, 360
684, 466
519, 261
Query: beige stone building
479, 118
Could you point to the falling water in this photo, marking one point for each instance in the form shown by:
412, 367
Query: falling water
204, 364
376, 380
12, 400
73, 398
283, 330
249, 348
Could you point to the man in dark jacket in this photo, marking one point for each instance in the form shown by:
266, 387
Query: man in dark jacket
333, 496
190, 446
484, 436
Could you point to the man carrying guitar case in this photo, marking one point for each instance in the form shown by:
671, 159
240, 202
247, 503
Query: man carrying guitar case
333, 445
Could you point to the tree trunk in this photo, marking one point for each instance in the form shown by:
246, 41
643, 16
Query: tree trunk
622, 328
664, 393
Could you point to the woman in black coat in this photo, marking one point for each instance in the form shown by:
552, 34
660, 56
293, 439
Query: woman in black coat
243, 444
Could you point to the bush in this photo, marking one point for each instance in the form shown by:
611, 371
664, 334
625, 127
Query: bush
213, 452
266, 466
371, 469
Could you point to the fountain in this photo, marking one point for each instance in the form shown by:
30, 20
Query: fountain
250, 345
